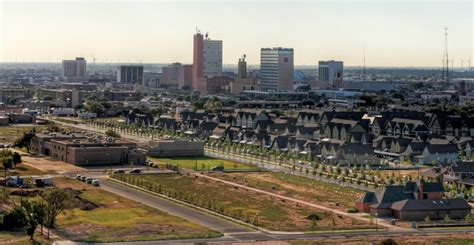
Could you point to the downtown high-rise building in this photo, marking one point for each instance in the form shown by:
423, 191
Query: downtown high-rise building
185, 76
331, 71
276, 69
207, 61
130, 74
242, 68
169, 75
74, 70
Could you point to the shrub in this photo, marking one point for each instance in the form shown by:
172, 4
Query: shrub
352, 210
388, 241
313, 217
15, 219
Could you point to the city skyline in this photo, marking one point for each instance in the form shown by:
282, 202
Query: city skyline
340, 31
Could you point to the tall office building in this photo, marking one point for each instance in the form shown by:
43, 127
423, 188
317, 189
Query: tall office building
185, 76
130, 74
169, 75
198, 59
276, 69
207, 60
74, 70
331, 71
242, 68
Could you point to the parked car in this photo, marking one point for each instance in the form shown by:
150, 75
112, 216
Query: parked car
41, 182
217, 168
14, 181
135, 171
95, 183
89, 180
119, 171
78, 176
83, 178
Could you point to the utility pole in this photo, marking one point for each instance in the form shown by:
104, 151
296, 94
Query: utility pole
363, 71
445, 77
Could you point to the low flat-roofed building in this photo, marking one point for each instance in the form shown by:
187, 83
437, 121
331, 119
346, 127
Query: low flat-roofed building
161, 148
86, 149
80, 86
9, 94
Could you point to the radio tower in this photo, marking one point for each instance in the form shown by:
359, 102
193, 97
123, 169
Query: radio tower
445, 77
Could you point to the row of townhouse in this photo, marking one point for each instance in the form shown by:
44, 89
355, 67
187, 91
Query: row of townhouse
336, 136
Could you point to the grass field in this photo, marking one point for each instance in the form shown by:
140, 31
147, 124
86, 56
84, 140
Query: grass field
23, 170
330, 195
119, 219
14, 238
8, 134
203, 163
262, 210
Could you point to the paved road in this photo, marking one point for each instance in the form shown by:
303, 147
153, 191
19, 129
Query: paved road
187, 213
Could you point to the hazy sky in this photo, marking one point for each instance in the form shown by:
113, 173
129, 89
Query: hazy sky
395, 33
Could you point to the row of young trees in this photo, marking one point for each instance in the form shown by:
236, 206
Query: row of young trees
240, 214
132, 129
354, 174
41, 212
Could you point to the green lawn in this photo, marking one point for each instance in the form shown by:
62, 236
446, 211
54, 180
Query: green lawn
251, 207
118, 219
202, 163
311, 190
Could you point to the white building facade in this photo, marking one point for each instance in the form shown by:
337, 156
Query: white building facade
276, 69
331, 71
212, 58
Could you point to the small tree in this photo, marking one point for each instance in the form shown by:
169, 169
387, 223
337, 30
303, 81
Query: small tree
313, 218
7, 164
427, 219
24, 140
447, 219
16, 158
112, 133
469, 218
56, 201
34, 214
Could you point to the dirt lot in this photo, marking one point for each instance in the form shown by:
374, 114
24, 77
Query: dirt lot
329, 195
263, 210
48, 165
